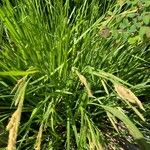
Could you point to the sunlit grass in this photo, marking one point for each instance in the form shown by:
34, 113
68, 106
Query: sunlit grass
72, 63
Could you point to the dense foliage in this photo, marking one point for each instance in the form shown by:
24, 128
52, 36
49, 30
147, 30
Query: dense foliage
69, 73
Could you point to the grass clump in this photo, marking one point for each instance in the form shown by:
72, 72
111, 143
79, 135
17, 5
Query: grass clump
70, 56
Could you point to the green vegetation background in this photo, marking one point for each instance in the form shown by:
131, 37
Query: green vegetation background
61, 59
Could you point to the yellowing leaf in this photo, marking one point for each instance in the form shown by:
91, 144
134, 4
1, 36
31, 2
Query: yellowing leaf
134, 40
17, 73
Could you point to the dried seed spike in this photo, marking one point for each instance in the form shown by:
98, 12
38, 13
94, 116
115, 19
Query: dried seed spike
11, 122
39, 138
16, 86
14, 122
84, 81
124, 93
13, 129
127, 94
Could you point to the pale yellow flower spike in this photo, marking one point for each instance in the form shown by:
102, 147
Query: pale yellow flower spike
39, 138
13, 126
126, 94
14, 122
84, 81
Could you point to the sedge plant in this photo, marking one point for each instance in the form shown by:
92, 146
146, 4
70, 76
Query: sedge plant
68, 79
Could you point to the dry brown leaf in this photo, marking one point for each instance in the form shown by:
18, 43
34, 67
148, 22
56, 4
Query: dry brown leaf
105, 32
